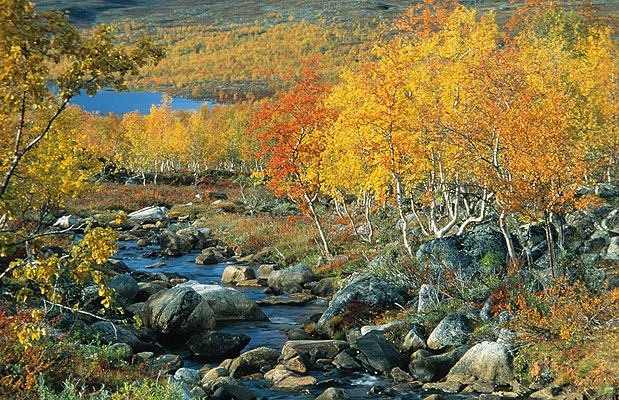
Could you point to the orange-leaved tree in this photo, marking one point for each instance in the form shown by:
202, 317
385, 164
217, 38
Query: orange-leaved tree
292, 133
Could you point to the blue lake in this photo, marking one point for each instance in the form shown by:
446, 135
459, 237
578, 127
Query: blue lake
124, 102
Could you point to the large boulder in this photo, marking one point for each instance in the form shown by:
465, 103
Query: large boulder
291, 280
173, 245
110, 333
313, 349
217, 345
371, 291
264, 271
427, 367
148, 215
486, 361
178, 313
210, 256
147, 289
227, 388
228, 304
194, 236
377, 354
611, 222
253, 361
453, 330
125, 287
333, 394
237, 273
462, 252
429, 298
415, 339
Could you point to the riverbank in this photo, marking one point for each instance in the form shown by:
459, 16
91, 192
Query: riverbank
390, 309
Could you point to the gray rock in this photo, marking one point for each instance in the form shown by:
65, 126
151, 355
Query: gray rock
165, 363
415, 339
173, 245
178, 313
148, 215
265, 270
429, 298
346, 360
253, 361
377, 354
323, 288
453, 330
294, 382
194, 236
217, 344
333, 394
597, 241
611, 222
364, 289
111, 333
228, 304
326, 348
237, 273
462, 252
607, 191
210, 256
124, 287
226, 388
612, 252
67, 221
290, 280
427, 367
486, 361
147, 289
117, 266
198, 393
187, 375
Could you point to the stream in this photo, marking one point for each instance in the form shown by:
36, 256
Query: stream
270, 333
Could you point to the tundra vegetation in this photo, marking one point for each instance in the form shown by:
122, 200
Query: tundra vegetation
432, 126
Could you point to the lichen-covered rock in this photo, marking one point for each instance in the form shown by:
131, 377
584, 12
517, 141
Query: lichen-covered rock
237, 273
414, 339
253, 361
178, 313
173, 245
453, 330
228, 304
217, 345
486, 361
148, 215
309, 348
429, 298
371, 291
124, 287
333, 394
290, 280
376, 353
427, 367
194, 236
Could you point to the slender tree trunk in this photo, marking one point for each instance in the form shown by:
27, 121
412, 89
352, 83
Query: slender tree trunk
551, 244
400, 201
321, 233
508, 238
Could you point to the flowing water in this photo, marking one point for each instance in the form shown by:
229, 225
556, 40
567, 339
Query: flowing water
270, 333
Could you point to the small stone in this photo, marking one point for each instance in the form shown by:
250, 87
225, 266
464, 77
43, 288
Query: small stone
333, 394
400, 376
156, 265
447, 387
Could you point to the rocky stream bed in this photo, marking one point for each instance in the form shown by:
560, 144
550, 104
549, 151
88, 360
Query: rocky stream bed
227, 327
